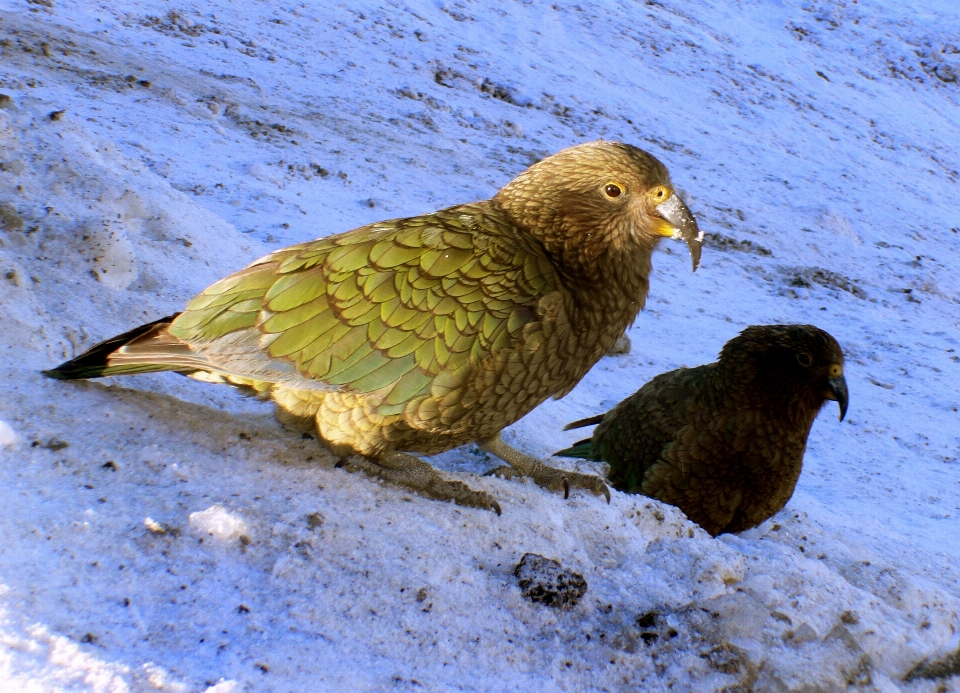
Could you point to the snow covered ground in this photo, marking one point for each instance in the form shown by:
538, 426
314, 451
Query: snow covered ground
161, 534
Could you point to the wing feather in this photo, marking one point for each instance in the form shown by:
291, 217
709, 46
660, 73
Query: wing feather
393, 308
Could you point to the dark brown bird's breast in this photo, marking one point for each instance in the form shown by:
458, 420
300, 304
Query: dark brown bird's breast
765, 474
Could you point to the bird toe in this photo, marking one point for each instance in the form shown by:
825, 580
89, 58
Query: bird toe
589, 482
504, 471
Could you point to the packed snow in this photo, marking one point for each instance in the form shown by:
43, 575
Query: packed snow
162, 534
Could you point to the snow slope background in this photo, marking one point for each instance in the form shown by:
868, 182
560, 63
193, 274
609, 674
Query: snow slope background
160, 534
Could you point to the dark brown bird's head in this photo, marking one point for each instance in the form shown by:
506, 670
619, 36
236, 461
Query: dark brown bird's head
599, 201
799, 365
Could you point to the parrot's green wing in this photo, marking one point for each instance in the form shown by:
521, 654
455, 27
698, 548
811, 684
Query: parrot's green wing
387, 308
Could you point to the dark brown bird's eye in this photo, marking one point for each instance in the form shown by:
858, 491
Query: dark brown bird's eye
612, 190
660, 194
804, 359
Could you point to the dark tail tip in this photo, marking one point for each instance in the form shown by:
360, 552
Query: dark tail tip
63, 372
93, 362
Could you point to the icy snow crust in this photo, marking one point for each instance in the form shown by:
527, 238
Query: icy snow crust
161, 534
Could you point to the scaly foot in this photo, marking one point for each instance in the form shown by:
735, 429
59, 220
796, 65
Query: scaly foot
543, 475
406, 470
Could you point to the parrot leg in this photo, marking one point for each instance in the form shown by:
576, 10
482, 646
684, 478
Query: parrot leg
543, 475
406, 470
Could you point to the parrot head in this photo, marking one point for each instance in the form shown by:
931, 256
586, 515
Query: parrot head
600, 201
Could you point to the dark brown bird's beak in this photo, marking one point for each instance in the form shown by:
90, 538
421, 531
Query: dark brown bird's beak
837, 390
675, 213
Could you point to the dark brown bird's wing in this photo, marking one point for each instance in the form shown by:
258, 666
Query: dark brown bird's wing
633, 435
665, 442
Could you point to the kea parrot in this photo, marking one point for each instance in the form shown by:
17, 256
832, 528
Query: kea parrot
421, 334
723, 442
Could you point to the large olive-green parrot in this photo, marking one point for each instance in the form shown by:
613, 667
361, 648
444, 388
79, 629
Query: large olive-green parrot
418, 335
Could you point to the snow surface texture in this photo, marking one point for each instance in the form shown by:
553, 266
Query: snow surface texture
160, 534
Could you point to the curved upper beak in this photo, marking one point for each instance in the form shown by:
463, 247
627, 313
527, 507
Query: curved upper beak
675, 213
837, 390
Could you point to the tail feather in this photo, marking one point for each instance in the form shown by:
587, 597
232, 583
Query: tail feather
145, 349
582, 449
592, 421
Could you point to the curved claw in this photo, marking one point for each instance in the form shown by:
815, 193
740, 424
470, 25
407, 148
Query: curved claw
495, 507
606, 493
566, 488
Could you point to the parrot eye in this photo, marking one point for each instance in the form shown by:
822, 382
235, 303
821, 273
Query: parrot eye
804, 359
612, 190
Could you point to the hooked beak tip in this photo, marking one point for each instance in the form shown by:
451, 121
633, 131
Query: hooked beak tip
838, 389
696, 246
684, 224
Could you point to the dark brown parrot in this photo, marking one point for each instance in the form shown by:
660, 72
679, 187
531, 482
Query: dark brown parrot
421, 334
723, 442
